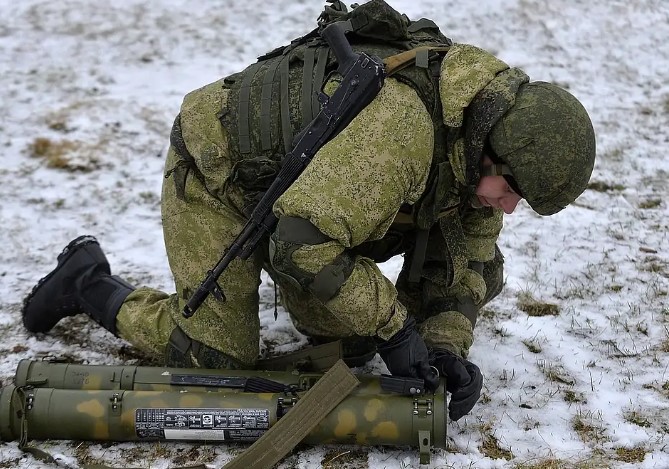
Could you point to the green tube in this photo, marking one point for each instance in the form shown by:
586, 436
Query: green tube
368, 416
44, 374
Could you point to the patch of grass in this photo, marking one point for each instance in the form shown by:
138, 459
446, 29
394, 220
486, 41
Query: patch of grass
586, 428
615, 154
82, 453
642, 327
656, 266
490, 445
573, 397
149, 197
600, 186
631, 455
64, 154
651, 203
600, 462
487, 313
632, 416
339, 459
544, 464
555, 372
615, 288
55, 153
59, 125
664, 346
194, 455
533, 346
532, 307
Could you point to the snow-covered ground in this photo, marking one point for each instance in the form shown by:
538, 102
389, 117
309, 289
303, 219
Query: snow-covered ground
89, 90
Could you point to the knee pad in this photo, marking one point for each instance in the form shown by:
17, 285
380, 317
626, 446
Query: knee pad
184, 352
293, 233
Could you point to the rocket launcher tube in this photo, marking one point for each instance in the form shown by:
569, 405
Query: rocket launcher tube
368, 416
44, 374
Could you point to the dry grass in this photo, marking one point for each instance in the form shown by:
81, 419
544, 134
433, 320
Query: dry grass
631, 455
66, 154
533, 346
651, 203
585, 425
55, 153
340, 459
532, 307
556, 373
637, 418
599, 186
544, 464
490, 444
573, 397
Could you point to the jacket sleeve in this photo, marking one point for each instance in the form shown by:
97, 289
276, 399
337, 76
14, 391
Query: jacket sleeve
451, 300
351, 192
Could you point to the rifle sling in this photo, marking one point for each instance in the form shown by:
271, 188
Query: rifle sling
314, 405
417, 56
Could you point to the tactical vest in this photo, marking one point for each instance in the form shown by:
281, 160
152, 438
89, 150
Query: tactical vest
274, 98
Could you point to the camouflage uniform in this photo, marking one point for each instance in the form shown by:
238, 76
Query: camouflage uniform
355, 192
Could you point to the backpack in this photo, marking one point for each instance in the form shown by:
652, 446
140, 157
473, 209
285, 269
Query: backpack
274, 98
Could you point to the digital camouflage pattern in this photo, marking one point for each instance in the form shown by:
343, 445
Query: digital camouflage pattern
385, 163
368, 416
352, 192
549, 146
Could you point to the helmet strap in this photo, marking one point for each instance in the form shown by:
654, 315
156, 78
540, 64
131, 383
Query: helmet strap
501, 169
496, 169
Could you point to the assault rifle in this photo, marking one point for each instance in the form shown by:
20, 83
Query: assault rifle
363, 77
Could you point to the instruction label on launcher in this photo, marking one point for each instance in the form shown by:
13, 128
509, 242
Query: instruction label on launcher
201, 424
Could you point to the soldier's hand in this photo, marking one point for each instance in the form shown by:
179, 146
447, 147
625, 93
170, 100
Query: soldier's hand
463, 380
405, 354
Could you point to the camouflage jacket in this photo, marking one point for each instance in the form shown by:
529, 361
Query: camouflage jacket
383, 162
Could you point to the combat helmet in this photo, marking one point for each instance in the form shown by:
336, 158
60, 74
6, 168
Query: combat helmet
547, 141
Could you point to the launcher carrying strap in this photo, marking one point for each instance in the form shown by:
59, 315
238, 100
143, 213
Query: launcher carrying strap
314, 405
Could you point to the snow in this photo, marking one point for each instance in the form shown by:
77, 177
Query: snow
102, 81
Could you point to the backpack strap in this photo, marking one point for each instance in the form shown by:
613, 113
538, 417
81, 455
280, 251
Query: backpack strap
307, 84
286, 126
244, 124
266, 104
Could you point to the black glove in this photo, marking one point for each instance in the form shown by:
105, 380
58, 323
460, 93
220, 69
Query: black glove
405, 354
463, 380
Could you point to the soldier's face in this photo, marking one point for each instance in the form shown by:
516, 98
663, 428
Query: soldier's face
494, 191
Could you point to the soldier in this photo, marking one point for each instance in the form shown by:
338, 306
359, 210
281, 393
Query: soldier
453, 140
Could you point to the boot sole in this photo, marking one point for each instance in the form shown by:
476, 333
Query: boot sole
68, 251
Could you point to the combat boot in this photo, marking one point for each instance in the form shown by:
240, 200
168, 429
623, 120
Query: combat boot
80, 283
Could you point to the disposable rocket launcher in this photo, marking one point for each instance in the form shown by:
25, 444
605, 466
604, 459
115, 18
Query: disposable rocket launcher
131, 403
